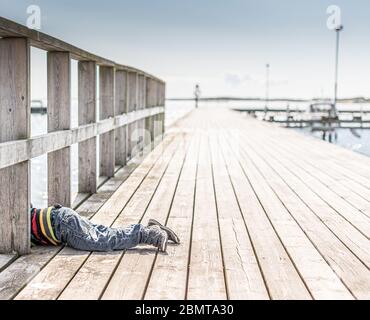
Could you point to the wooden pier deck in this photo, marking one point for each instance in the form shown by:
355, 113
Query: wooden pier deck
263, 213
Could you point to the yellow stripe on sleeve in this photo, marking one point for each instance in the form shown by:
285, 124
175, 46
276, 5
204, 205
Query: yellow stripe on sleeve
48, 217
43, 228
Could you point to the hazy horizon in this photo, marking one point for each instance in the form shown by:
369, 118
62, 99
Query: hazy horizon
223, 46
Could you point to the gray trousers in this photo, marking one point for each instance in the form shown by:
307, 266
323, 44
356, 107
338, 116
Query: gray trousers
81, 234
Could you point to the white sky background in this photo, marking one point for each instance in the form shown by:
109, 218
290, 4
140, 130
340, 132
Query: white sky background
222, 45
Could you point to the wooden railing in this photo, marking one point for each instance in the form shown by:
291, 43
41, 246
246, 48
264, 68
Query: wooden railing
131, 116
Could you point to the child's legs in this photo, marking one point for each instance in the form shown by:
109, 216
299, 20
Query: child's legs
80, 233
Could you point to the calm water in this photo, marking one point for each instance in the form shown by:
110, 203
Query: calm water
174, 111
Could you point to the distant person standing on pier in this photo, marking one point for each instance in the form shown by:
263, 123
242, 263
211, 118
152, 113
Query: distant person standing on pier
197, 94
59, 225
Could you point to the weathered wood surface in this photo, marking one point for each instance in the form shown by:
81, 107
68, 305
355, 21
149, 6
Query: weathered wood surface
134, 269
59, 118
121, 108
17, 148
26, 268
18, 151
14, 125
5, 260
87, 85
55, 272
262, 212
132, 98
107, 102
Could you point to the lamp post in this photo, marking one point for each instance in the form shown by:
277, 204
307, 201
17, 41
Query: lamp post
338, 29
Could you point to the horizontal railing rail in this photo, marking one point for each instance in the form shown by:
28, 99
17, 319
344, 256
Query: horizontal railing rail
14, 152
131, 117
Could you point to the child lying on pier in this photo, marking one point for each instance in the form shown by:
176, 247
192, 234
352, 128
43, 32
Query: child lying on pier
59, 225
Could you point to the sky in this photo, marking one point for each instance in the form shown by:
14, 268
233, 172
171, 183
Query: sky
224, 45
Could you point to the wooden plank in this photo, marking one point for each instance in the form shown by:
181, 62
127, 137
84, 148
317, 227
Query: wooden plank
346, 231
15, 124
20, 272
350, 236
50, 282
206, 264
349, 180
349, 264
135, 267
281, 277
350, 270
343, 208
332, 221
100, 266
87, 152
6, 259
12, 282
90, 207
25, 269
120, 108
107, 142
333, 180
325, 155
318, 276
92, 278
354, 163
243, 276
168, 280
59, 118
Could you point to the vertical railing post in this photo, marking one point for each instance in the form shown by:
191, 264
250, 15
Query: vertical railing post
148, 120
157, 118
135, 135
59, 118
15, 124
164, 106
141, 106
132, 106
162, 103
87, 150
145, 133
120, 108
107, 141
